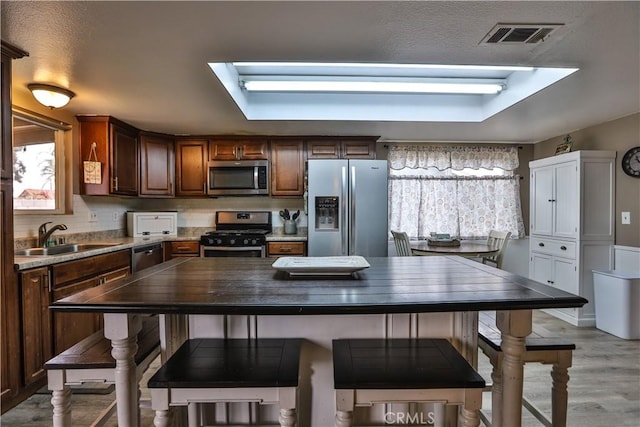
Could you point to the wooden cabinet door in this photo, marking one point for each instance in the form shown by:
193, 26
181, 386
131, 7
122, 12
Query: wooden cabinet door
254, 150
36, 323
223, 150
336, 148
9, 300
287, 168
238, 149
115, 144
323, 149
124, 161
191, 167
358, 149
157, 168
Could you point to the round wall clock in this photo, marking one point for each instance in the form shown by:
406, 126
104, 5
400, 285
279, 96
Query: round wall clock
631, 162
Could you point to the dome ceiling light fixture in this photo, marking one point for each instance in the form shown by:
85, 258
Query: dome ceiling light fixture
49, 95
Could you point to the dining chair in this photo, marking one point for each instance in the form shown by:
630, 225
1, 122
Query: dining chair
498, 239
401, 241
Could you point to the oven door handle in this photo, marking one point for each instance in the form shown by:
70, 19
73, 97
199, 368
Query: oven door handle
232, 248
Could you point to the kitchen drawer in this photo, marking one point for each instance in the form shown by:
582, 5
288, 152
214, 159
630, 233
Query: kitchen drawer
554, 247
179, 248
286, 248
92, 266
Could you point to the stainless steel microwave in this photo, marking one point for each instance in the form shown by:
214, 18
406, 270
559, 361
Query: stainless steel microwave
238, 178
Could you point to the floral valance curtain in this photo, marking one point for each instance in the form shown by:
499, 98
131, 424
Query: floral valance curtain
455, 157
444, 202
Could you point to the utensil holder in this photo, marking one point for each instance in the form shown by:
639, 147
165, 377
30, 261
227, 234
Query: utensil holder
290, 227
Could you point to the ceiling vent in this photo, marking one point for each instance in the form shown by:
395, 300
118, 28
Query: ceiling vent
519, 33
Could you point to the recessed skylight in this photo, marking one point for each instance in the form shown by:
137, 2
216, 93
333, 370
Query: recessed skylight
388, 92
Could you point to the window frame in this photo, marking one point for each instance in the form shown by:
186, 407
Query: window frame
61, 132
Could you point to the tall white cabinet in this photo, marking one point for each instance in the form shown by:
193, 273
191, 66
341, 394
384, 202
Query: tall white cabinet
572, 225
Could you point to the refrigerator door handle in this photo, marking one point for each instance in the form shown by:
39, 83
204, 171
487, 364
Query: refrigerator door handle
352, 214
343, 212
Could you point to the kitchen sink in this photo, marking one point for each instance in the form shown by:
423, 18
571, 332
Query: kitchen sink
63, 249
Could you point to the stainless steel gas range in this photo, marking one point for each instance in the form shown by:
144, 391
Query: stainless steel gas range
237, 234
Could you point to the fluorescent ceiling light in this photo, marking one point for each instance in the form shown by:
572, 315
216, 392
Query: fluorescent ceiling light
368, 86
379, 91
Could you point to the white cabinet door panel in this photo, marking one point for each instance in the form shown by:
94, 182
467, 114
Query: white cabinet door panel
542, 205
566, 200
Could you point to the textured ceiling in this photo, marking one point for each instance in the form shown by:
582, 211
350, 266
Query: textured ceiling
146, 62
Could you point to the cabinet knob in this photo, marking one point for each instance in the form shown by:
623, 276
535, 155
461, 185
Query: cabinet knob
551, 282
552, 200
541, 244
564, 248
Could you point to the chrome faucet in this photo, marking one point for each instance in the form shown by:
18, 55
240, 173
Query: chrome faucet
44, 234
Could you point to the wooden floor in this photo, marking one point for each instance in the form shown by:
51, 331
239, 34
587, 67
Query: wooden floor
604, 385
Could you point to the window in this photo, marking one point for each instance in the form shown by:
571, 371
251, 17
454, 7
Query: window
463, 191
38, 163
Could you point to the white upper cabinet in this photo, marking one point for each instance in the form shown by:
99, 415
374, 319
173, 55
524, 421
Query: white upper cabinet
572, 195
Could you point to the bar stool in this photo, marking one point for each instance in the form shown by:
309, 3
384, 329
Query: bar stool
369, 371
212, 370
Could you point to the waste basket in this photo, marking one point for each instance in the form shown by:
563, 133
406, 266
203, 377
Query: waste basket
617, 300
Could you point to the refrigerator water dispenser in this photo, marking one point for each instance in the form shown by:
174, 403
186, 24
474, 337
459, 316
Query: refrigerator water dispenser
327, 213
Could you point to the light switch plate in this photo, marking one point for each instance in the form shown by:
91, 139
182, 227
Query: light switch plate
626, 217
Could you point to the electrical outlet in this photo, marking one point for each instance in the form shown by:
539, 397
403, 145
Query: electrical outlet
114, 216
93, 216
626, 217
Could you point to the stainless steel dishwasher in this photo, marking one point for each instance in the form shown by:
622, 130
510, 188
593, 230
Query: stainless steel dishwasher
146, 256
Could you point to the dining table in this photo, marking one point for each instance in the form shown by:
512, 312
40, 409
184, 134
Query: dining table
466, 248
392, 297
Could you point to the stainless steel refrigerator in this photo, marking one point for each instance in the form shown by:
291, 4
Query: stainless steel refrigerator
347, 207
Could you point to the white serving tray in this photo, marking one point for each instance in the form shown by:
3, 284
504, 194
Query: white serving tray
314, 266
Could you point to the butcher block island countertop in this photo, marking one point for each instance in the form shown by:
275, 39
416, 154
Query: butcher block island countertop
394, 297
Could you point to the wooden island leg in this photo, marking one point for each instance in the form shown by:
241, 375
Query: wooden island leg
122, 330
515, 326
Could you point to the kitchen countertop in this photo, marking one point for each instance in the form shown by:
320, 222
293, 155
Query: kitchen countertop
279, 236
120, 243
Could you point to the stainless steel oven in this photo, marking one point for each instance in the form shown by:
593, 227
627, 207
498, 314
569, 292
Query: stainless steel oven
237, 234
